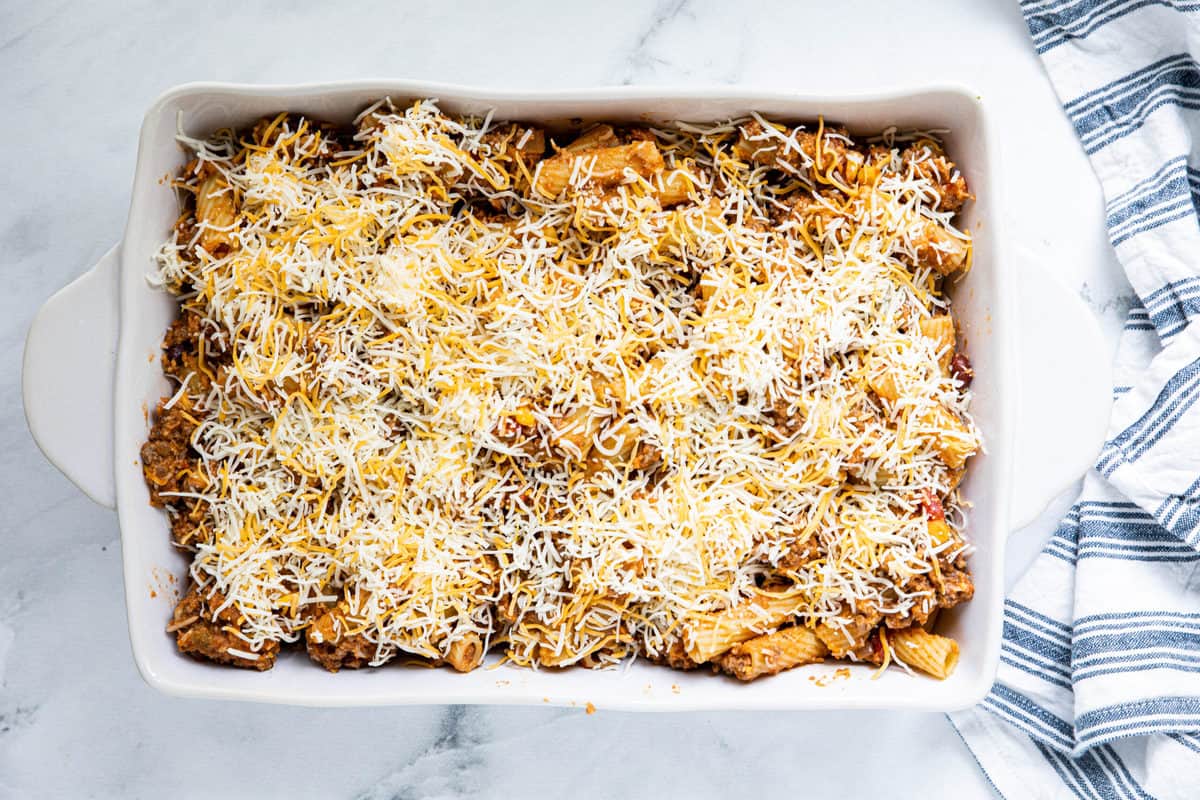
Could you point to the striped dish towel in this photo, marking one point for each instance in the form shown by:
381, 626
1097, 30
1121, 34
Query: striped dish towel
1098, 694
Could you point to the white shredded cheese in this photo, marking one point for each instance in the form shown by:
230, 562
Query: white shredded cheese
422, 352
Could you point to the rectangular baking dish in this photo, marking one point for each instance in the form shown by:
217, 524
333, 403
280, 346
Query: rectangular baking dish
72, 345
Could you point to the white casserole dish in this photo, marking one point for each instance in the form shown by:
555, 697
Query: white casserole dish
1041, 399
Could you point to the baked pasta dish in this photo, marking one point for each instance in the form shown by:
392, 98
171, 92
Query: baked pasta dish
446, 386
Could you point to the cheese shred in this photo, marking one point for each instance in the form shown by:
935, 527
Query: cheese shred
454, 412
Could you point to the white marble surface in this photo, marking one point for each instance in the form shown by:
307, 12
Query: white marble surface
75, 718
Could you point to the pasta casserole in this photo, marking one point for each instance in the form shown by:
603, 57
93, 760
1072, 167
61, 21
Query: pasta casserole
446, 386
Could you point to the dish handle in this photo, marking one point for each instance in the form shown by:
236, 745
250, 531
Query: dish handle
67, 378
1066, 389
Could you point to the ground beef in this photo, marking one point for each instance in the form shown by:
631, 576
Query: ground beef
922, 606
957, 586
850, 636
179, 346
738, 664
187, 529
784, 423
676, 657
818, 213
941, 172
800, 553
202, 634
332, 648
167, 457
181, 350
836, 159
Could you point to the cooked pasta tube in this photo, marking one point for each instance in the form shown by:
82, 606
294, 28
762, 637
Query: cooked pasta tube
217, 213
465, 654
710, 635
932, 654
603, 167
772, 653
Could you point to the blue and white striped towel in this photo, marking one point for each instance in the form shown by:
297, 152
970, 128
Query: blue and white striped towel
1098, 694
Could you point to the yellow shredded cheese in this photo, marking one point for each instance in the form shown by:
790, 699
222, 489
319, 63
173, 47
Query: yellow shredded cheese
568, 424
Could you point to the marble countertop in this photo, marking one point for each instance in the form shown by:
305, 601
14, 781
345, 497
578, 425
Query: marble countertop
75, 718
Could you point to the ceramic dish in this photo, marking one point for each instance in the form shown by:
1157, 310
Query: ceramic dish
1041, 398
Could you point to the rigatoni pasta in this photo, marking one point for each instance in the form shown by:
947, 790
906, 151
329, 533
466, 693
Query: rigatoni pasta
448, 386
932, 654
216, 214
772, 653
709, 635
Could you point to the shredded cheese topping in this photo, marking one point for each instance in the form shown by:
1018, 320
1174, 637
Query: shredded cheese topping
570, 424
